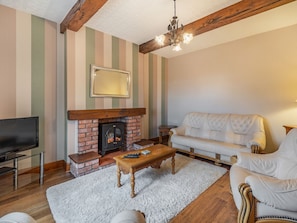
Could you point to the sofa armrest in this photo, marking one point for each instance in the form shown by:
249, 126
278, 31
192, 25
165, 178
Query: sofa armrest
258, 142
281, 194
265, 164
178, 130
255, 149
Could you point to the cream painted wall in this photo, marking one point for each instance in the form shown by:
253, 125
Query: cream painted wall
257, 74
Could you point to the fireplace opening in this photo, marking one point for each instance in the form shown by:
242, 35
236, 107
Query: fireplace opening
111, 136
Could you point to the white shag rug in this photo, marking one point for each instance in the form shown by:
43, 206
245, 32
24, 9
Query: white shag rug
159, 194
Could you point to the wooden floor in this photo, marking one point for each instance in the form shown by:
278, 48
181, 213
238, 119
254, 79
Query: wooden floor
214, 205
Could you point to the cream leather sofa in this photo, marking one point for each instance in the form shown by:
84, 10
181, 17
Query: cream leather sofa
264, 186
218, 137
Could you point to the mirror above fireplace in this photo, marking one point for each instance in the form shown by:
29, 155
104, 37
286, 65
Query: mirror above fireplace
107, 82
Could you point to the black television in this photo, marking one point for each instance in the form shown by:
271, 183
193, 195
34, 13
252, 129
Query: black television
18, 134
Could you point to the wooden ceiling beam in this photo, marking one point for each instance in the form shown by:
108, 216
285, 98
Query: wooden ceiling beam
80, 13
233, 13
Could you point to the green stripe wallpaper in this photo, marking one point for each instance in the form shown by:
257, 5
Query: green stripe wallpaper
115, 65
135, 84
90, 59
38, 70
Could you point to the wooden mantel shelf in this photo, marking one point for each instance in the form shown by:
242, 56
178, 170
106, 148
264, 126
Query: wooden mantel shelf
104, 113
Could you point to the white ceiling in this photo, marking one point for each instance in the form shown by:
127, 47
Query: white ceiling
53, 10
139, 21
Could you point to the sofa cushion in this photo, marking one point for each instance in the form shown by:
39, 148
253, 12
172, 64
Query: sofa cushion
241, 124
195, 119
228, 149
217, 122
281, 194
241, 129
194, 132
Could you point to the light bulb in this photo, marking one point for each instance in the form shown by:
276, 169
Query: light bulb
187, 37
177, 48
160, 39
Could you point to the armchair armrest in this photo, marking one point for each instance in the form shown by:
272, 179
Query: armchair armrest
281, 194
265, 164
247, 212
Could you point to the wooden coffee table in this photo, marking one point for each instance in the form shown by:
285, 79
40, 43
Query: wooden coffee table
158, 153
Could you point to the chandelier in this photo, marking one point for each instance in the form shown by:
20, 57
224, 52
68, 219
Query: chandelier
176, 34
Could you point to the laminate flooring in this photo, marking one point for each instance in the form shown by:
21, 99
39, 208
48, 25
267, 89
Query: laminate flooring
214, 205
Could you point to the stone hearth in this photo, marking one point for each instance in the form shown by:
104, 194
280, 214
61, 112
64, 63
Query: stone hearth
88, 121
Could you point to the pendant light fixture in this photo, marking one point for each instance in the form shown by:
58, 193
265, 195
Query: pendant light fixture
175, 33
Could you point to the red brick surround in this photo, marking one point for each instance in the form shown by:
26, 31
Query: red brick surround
88, 132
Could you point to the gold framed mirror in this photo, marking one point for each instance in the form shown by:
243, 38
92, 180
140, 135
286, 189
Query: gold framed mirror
107, 82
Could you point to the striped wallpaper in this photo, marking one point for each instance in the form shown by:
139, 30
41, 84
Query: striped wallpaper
32, 76
28, 68
149, 75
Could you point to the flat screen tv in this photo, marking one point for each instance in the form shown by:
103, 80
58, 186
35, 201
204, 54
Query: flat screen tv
18, 134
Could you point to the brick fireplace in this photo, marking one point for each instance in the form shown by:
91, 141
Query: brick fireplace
88, 132
87, 159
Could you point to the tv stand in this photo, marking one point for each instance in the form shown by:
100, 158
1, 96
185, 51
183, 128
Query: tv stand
15, 158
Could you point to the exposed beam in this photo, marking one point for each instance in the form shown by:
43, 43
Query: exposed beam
80, 13
233, 13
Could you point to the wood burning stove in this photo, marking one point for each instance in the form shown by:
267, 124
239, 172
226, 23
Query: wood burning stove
111, 136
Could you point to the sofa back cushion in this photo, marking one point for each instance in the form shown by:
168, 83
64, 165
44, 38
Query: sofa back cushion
217, 124
194, 123
241, 128
195, 119
232, 128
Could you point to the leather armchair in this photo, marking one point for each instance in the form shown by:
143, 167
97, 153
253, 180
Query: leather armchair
17, 217
264, 186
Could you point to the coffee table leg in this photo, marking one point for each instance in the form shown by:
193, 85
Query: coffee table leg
119, 175
173, 165
132, 184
